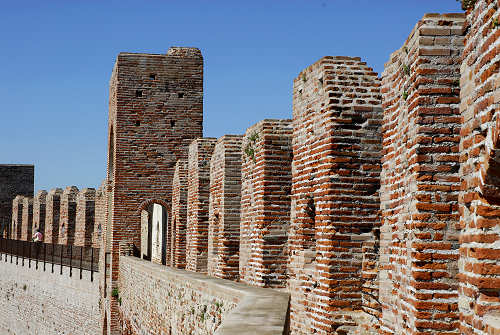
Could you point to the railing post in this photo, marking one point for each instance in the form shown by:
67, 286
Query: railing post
53, 258
29, 253
81, 262
70, 260
92, 264
62, 249
44, 255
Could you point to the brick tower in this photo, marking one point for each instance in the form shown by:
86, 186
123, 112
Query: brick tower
155, 111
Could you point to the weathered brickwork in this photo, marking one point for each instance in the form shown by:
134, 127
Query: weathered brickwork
52, 213
100, 215
224, 208
198, 191
420, 180
67, 217
266, 182
27, 219
85, 217
14, 180
479, 294
39, 211
17, 217
335, 173
155, 111
178, 221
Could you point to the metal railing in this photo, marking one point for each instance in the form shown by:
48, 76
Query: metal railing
50, 256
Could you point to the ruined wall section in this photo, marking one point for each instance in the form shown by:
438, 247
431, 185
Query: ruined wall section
198, 188
15, 179
17, 217
39, 213
420, 180
155, 111
335, 175
85, 217
52, 214
179, 215
27, 219
67, 217
224, 208
479, 301
266, 178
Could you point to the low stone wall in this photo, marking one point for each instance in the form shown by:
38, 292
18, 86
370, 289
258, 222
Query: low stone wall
161, 300
37, 302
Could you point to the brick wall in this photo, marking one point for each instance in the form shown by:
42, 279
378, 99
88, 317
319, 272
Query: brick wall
420, 180
266, 182
178, 220
52, 213
33, 301
15, 180
17, 217
27, 219
479, 200
198, 190
335, 174
224, 208
85, 217
155, 111
67, 217
39, 211
183, 302
100, 215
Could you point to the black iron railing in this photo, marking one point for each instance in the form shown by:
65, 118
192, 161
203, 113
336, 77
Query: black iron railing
50, 256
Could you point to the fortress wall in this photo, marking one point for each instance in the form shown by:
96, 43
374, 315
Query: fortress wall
420, 180
164, 300
39, 205
100, 215
15, 180
27, 219
17, 217
335, 202
479, 200
52, 213
224, 208
43, 303
266, 182
178, 220
198, 188
85, 217
67, 218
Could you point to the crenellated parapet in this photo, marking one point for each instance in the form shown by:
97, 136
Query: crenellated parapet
52, 215
67, 218
27, 219
39, 211
178, 219
85, 217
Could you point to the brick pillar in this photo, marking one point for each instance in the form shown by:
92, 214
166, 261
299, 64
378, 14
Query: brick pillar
420, 180
198, 188
224, 208
335, 180
85, 217
266, 177
52, 213
68, 216
479, 293
100, 215
17, 217
39, 211
27, 219
178, 221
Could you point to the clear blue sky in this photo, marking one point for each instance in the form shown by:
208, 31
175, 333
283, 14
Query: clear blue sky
56, 60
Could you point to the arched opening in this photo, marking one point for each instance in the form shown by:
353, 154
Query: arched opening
154, 231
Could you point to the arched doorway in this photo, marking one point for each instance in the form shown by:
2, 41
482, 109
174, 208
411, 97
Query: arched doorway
154, 231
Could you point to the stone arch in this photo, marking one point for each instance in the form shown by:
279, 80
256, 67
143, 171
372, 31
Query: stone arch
148, 229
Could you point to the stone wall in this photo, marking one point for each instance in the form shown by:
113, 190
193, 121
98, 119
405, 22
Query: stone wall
479, 294
266, 182
17, 217
224, 208
33, 301
163, 300
27, 219
85, 217
178, 220
39, 211
335, 174
198, 190
52, 214
67, 217
14, 180
420, 180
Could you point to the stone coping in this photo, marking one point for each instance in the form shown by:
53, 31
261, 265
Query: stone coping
260, 311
